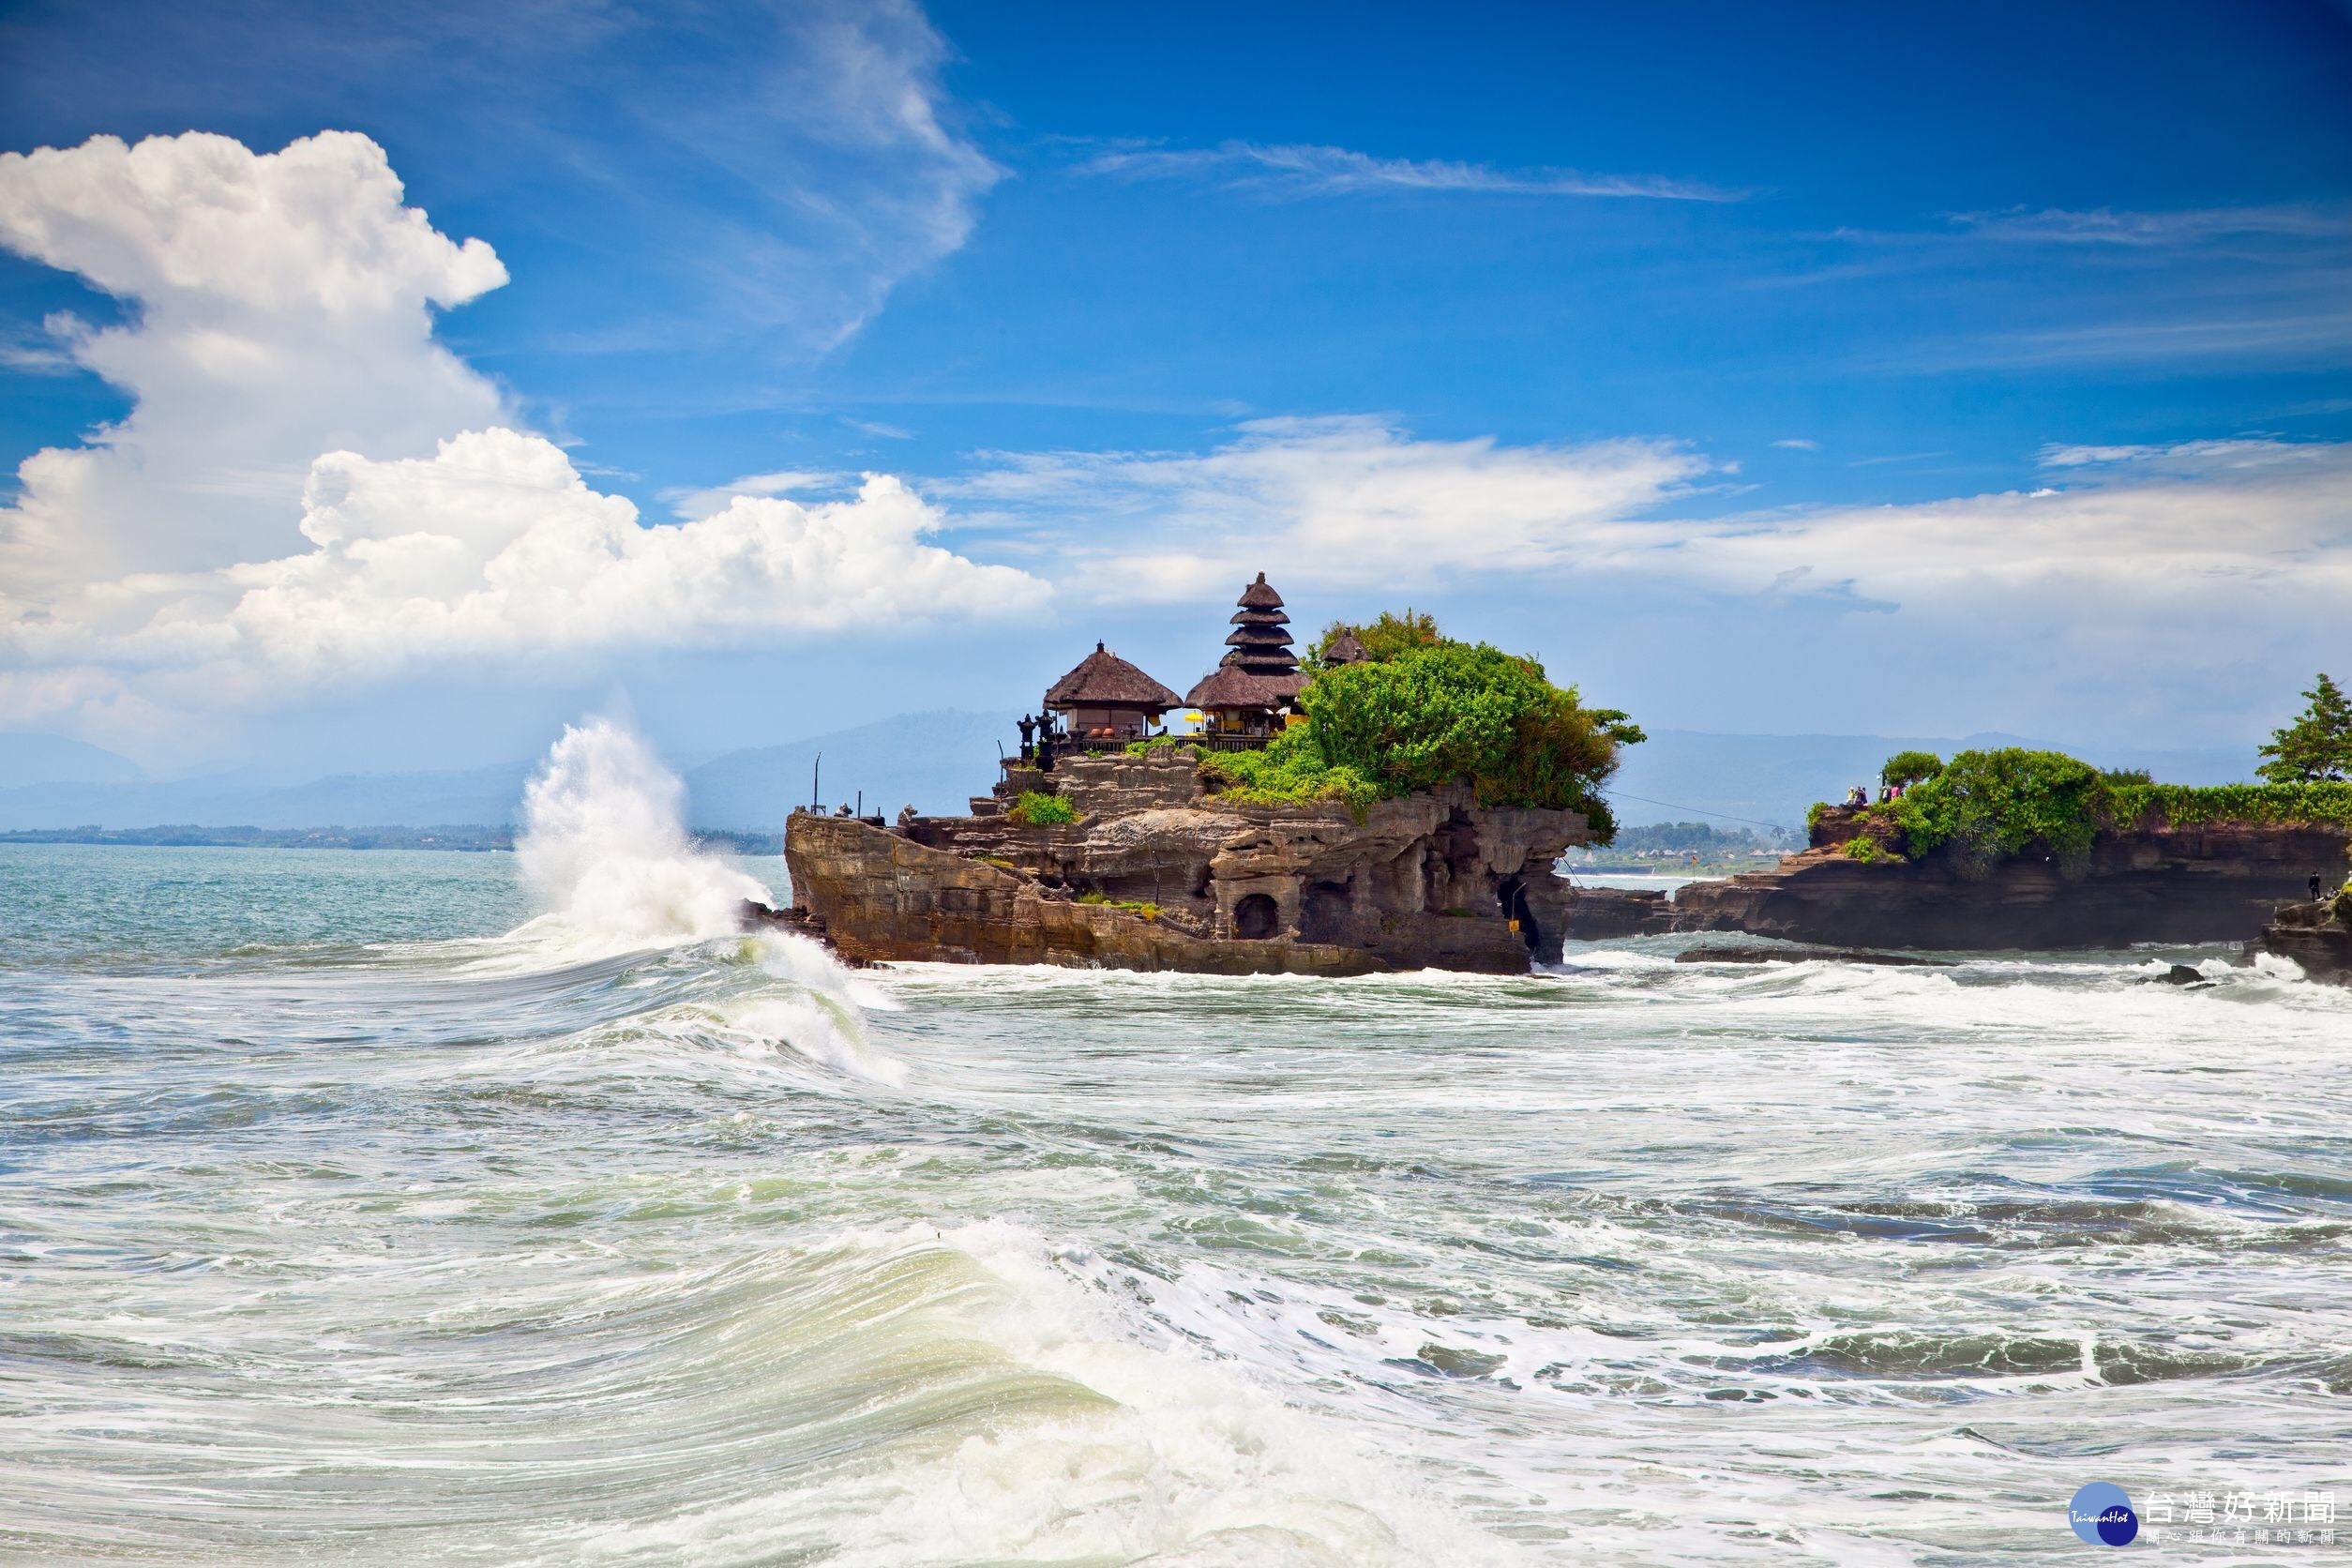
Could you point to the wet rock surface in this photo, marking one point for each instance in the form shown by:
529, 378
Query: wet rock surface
2317, 937
2209, 882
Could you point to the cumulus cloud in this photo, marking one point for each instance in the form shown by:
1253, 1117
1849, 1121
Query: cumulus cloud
276, 306
1298, 170
494, 548
310, 488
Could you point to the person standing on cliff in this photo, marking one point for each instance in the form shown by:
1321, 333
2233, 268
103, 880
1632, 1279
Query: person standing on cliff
2315, 887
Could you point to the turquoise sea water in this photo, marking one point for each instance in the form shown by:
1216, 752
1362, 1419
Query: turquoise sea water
349, 1213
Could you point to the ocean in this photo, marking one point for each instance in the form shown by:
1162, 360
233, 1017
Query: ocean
389, 1207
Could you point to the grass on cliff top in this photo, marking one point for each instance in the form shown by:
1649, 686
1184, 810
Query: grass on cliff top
1985, 807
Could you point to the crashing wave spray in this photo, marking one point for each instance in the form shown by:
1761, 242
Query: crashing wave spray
604, 848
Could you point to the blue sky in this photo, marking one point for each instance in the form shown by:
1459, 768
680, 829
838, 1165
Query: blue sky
1920, 370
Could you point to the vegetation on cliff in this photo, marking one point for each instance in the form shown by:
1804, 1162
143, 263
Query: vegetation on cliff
1425, 710
1985, 807
1038, 809
2318, 748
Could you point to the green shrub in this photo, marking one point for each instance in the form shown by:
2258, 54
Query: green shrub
2187, 805
1988, 805
1291, 770
1864, 849
1144, 908
1139, 748
1444, 712
1382, 639
1034, 810
1908, 768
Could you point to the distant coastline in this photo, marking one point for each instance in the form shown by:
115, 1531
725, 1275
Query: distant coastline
463, 838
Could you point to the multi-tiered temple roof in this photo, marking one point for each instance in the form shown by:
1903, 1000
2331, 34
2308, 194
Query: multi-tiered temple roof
1260, 675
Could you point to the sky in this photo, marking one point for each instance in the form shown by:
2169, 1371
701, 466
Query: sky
382, 390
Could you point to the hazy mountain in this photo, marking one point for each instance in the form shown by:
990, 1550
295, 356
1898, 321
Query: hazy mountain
935, 760
26, 758
486, 795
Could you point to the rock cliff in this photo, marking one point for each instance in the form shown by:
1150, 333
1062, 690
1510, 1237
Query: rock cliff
2316, 936
2208, 882
1160, 874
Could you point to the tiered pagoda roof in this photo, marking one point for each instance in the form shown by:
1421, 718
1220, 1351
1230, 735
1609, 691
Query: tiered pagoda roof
1104, 680
1261, 671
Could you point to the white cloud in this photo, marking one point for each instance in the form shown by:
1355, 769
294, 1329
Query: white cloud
1294, 170
276, 306
1798, 444
2162, 555
1349, 500
2180, 227
691, 504
495, 549
290, 501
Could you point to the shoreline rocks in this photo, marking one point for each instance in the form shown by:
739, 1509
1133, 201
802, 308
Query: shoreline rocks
2317, 937
2207, 883
1158, 874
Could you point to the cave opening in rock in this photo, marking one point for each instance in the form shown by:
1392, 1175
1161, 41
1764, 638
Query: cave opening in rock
1255, 917
1513, 897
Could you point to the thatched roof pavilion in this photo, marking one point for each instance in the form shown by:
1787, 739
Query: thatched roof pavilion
1106, 698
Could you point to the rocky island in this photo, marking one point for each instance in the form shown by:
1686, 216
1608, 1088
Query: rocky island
1398, 803
2022, 850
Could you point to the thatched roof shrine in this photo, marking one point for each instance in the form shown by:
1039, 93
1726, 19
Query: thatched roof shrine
1104, 680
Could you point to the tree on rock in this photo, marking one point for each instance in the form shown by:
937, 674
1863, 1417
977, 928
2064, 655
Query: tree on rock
1908, 767
2317, 746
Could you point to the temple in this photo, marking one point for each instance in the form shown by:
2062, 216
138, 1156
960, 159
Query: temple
1107, 700
1254, 692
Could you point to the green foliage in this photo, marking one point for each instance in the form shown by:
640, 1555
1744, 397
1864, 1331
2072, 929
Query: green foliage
1443, 712
2116, 777
1865, 849
1040, 810
1988, 805
2317, 746
2186, 805
1291, 770
1137, 748
1387, 637
1144, 908
1908, 768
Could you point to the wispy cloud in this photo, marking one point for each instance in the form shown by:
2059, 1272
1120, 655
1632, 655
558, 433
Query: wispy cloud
2187, 226
1895, 457
1300, 169
1799, 443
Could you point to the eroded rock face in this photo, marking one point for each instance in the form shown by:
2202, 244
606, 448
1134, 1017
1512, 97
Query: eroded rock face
1434, 881
2209, 882
2316, 936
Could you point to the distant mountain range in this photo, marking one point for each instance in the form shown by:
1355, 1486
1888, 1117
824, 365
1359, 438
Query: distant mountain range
933, 761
